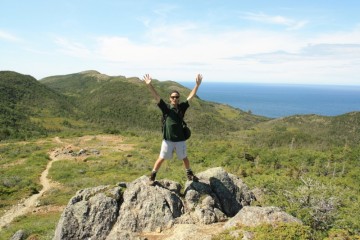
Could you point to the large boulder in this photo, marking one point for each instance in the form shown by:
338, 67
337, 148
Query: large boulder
216, 196
90, 214
254, 216
148, 208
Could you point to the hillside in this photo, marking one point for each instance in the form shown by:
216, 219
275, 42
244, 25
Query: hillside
309, 130
26, 104
118, 103
90, 100
115, 104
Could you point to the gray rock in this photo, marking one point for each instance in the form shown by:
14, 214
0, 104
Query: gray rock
82, 152
147, 208
129, 211
19, 235
90, 214
254, 216
228, 193
202, 205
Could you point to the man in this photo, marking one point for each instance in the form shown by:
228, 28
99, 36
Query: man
173, 135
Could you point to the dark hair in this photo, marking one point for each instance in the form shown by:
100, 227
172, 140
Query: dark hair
174, 91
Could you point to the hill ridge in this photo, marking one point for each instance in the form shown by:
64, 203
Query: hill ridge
113, 104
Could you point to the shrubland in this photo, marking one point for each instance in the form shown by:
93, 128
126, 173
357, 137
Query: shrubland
307, 165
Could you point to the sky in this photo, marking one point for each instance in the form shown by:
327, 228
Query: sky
260, 41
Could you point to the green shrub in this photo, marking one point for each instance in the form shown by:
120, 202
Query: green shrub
283, 231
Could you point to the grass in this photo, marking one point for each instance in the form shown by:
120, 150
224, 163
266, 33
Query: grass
267, 232
276, 171
36, 226
21, 165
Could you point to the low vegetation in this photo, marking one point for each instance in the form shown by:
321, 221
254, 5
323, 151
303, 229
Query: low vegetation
307, 165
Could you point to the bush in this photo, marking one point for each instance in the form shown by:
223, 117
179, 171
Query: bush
283, 231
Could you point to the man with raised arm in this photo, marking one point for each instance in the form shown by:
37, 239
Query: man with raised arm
173, 134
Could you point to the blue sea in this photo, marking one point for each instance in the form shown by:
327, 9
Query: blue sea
280, 100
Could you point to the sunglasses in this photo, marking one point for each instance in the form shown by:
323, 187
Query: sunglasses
173, 97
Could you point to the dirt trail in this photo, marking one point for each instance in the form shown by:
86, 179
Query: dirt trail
30, 203
61, 153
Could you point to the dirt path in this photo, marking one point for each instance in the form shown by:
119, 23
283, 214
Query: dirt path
61, 153
30, 203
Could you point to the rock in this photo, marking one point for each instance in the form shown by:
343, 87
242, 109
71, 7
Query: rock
202, 205
122, 184
217, 194
254, 216
90, 214
192, 231
146, 208
259, 194
82, 152
19, 235
137, 211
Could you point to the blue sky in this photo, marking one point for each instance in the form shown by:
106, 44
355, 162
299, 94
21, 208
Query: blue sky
278, 41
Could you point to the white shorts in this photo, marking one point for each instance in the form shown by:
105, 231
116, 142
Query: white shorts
169, 147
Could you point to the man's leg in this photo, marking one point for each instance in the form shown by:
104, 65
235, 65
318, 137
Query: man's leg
157, 166
189, 173
165, 153
158, 163
186, 163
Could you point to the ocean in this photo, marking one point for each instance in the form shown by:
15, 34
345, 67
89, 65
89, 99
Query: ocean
280, 100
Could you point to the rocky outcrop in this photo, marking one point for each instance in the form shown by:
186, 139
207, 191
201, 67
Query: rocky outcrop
90, 214
148, 208
132, 210
254, 216
217, 196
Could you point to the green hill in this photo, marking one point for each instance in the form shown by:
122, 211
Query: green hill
25, 104
118, 103
309, 130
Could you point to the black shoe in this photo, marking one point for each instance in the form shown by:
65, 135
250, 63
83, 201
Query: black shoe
191, 177
152, 178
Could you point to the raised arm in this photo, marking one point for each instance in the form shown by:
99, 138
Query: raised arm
147, 80
193, 92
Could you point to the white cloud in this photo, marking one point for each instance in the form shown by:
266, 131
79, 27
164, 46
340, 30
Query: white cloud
178, 51
168, 45
278, 20
8, 36
73, 49
338, 37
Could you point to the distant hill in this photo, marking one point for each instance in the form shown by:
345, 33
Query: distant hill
25, 102
310, 130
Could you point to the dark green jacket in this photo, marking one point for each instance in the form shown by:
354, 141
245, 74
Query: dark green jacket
173, 127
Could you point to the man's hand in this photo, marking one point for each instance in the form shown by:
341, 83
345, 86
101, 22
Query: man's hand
147, 79
198, 82
198, 79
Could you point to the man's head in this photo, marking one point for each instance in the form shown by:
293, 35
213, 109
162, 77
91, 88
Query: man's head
174, 97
